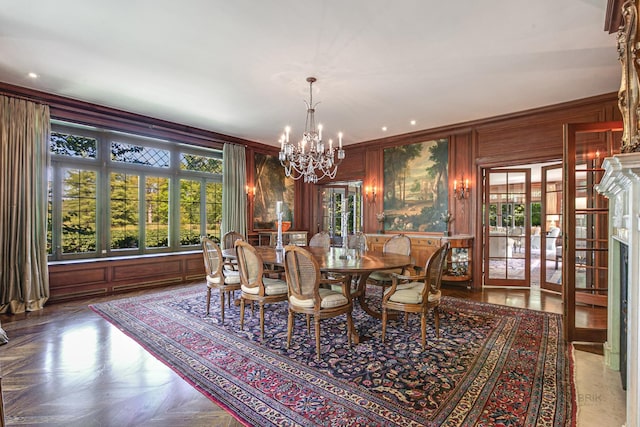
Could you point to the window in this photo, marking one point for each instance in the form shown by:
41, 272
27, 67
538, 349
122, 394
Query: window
114, 194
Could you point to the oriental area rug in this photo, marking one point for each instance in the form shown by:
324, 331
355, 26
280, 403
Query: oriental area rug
492, 365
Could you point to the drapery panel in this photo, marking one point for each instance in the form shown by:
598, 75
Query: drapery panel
234, 198
24, 160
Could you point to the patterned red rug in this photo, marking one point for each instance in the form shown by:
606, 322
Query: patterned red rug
493, 365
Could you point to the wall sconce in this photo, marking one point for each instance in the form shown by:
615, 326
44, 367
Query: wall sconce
251, 191
370, 194
461, 191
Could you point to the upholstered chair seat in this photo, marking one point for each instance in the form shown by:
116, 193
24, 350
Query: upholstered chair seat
271, 287
231, 277
412, 293
328, 299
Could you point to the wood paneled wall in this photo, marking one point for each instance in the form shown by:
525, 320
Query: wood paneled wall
519, 138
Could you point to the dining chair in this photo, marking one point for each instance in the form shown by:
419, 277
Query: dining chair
357, 241
255, 284
227, 281
399, 244
228, 241
321, 239
306, 296
417, 293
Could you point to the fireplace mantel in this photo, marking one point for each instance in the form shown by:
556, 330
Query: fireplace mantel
621, 185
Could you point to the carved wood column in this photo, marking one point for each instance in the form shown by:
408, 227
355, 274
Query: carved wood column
629, 93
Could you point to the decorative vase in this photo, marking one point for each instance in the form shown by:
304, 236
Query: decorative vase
286, 225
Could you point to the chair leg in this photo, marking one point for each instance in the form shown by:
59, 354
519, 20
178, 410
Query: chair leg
261, 320
317, 327
208, 300
241, 313
384, 323
308, 324
221, 306
289, 328
436, 317
350, 330
423, 329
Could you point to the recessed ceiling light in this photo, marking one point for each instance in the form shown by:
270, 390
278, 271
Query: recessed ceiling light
413, 122
384, 128
32, 75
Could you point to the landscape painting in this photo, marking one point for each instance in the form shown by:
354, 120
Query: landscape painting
416, 188
271, 186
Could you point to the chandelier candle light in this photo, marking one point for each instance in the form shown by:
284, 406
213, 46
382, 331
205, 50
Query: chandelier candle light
308, 158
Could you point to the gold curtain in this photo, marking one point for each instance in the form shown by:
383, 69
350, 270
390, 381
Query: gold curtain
234, 197
24, 158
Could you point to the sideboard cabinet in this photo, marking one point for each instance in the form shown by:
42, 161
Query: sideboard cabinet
422, 246
459, 263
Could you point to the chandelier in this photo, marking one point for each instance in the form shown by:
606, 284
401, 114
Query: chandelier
309, 158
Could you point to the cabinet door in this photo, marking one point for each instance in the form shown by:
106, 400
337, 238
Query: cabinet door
376, 243
422, 249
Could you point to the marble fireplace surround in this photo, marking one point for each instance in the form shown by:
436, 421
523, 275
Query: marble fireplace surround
621, 185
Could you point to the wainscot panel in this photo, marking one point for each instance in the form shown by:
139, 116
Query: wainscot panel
81, 278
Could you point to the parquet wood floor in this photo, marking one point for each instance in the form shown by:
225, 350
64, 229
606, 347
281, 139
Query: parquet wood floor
66, 366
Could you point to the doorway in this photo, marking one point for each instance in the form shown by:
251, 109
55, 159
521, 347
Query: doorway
341, 210
522, 219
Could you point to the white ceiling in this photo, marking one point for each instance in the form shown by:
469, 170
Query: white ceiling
239, 67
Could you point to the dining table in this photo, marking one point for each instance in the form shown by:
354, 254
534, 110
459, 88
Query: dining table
352, 263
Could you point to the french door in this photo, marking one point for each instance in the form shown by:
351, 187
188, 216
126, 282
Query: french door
551, 223
586, 232
506, 230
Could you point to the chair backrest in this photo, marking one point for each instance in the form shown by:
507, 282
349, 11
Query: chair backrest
212, 257
230, 238
398, 244
357, 241
321, 240
434, 269
302, 273
250, 265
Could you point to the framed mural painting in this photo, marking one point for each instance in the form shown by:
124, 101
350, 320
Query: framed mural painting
416, 190
271, 187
